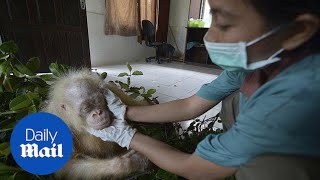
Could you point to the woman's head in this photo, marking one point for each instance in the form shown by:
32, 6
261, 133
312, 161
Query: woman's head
245, 20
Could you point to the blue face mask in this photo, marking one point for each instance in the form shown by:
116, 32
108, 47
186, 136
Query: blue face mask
233, 56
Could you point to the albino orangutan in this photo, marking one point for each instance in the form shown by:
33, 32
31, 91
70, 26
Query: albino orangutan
78, 98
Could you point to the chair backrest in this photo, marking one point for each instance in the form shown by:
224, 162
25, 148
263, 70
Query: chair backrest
148, 30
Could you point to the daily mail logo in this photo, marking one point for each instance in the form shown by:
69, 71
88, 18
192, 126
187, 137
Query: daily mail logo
41, 143
32, 150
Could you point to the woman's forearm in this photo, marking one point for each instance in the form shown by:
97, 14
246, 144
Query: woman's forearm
186, 165
174, 111
161, 154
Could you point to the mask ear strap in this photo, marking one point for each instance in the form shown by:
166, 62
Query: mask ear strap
264, 36
270, 60
277, 53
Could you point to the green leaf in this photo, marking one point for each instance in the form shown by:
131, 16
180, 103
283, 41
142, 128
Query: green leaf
1, 78
8, 113
146, 95
20, 102
5, 149
137, 73
164, 175
32, 95
64, 68
47, 77
5, 67
9, 47
134, 95
42, 91
6, 175
135, 89
129, 67
128, 81
54, 68
14, 112
7, 169
7, 84
32, 109
33, 64
4, 56
151, 91
22, 68
123, 74
104, 75
124, 86
143, 89
38, 81
17, 73
20, 115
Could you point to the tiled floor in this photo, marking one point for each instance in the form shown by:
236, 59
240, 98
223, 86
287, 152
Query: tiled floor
172, 80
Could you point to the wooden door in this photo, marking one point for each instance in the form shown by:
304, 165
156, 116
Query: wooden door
54, 30
163, 20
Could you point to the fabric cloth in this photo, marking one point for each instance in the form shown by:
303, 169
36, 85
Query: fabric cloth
279, 117
280, 167
122, 18
115, 105
229, 110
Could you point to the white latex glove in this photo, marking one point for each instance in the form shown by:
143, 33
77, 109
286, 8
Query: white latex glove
115, 105
119, 131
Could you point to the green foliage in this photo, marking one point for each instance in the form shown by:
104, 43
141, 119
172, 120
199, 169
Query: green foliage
133, 91
22, 92
59, 69
103, 75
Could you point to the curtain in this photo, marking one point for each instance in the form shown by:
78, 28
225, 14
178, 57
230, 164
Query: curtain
124, 17
148, 11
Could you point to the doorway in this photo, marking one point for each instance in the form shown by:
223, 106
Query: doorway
53, 30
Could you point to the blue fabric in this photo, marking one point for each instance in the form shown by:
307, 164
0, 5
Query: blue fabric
227, 83
280, 117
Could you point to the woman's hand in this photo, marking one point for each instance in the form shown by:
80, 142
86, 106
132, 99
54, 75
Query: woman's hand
119, 132
115, 105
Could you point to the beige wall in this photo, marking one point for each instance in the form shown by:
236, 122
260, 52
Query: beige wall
105, 50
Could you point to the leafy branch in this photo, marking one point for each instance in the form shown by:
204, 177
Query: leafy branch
133, 91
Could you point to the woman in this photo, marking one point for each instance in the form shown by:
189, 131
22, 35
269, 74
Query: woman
268, 49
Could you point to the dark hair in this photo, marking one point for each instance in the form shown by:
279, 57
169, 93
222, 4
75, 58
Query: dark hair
278, 12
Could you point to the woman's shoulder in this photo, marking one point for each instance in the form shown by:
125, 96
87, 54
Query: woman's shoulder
300, 80
308, 65
304, 73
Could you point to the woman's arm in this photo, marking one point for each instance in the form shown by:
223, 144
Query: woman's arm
174, 111
166, 157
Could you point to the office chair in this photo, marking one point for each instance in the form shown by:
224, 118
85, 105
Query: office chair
162, 49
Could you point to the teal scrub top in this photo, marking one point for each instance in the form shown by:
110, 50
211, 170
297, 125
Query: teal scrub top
280, 117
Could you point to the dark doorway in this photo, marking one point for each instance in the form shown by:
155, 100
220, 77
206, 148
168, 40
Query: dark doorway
53, 30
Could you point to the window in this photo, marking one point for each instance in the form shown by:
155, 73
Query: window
205, 13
